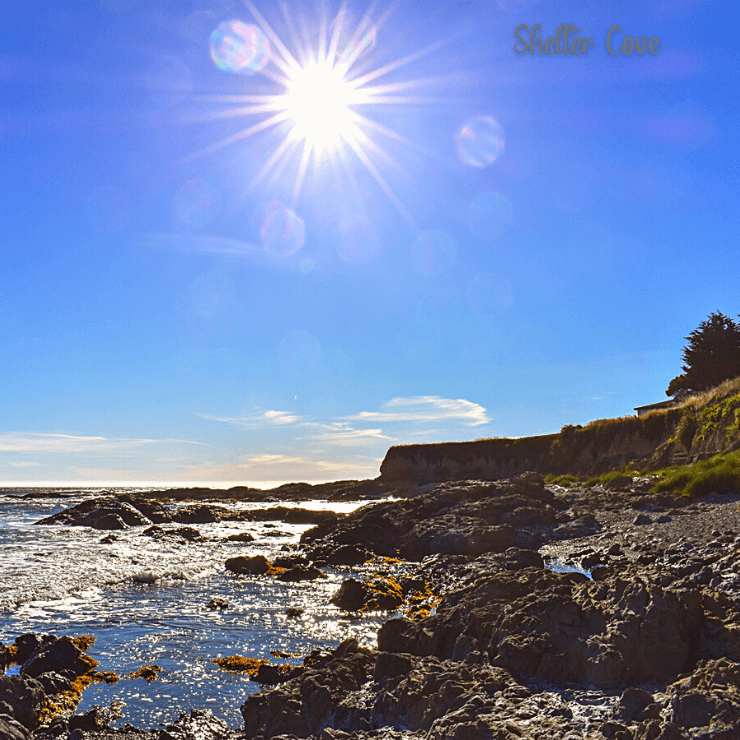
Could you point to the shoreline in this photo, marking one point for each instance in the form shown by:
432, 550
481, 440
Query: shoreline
531, 652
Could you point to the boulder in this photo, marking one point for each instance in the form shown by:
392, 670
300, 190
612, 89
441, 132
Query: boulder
25, 695
619, 483
57, 655
11, 729
350, 596
240, 537
256, 565
301, 573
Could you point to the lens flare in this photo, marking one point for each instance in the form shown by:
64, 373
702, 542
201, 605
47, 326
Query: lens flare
238, 47
489, 215
480, 141
318, 91
282, 232
317, 101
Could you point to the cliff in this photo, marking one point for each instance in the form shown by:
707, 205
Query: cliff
703, 426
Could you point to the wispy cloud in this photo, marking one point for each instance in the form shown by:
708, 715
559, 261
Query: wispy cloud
426, 408
24, 464
263, 470
193, 243
44, 442
343, 435
256, 419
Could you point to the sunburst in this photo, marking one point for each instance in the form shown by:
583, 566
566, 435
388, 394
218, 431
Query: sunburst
319, 93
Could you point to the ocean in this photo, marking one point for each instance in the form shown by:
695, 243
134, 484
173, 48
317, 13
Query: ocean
145, 601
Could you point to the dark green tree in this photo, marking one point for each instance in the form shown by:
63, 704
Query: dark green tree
711, 356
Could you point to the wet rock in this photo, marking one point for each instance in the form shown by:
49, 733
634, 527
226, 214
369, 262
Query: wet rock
198, 724
340, 554
199, 514
100, 513
256, 565
350, 596
293, 612
11, 729
96, 718
188, 533
240, 537
561, 627
25, 695
57, 655
53, 683
301, 573
302, 705
289, 561
642, 519
109, 539
456, 518
217, 603
25, 645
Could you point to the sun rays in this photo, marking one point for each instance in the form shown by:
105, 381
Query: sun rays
318, 88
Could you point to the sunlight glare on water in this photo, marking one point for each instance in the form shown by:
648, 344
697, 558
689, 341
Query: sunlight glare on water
239, 47
479, 141
145, 600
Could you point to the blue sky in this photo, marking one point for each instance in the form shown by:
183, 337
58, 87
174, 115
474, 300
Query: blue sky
500, 245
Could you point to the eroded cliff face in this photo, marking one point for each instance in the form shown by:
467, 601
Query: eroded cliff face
673, 437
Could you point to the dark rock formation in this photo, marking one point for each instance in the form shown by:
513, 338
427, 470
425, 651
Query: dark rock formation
128, 510
257, 565
301, 573
463, 518
57, 654
25, 696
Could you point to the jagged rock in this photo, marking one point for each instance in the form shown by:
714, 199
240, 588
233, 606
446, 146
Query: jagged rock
458, 518
25, 645
350, 595
256, 565
53, 683
57, 655
93, 720
340, 554
290, 561
240, 537
301, 705
301, 573
105, 520
11, 729
620, 483
561, 627
26, 697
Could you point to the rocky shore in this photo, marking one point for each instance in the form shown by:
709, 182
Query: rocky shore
531, 612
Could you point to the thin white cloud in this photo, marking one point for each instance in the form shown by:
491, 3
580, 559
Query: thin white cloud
343, 435
256, 418
24, 464
193, 243
44, 442
426, 408
262, 470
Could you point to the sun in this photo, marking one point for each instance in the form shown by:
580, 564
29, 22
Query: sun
319, 91
318, 99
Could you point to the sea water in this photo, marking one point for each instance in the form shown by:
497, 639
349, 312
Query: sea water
145, 601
